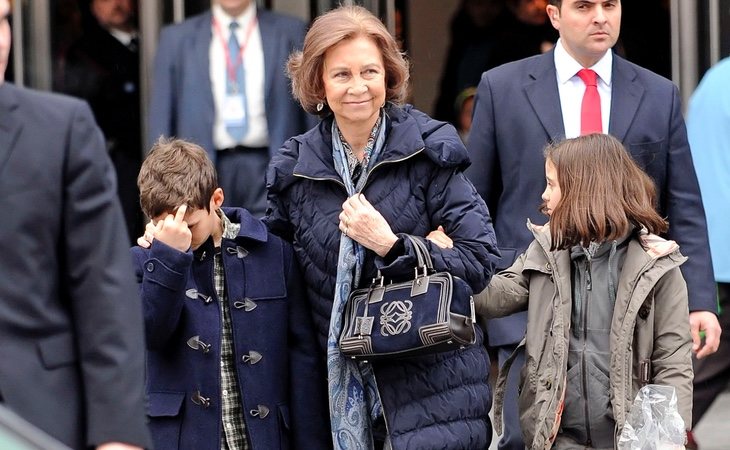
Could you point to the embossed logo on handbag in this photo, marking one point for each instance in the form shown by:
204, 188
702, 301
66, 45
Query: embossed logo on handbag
428, 313
395, 317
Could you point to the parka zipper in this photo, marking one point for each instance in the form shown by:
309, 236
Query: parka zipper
584, 364
307, 177
391, 161
554, 265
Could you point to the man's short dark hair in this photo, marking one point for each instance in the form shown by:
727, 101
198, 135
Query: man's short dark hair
556, 3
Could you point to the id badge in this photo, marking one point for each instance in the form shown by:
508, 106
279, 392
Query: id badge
234, 113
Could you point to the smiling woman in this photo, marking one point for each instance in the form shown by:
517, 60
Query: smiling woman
351, 194
354, 85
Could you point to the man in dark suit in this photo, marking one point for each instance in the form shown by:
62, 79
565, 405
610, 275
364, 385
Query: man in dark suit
72, 347
196, 93
102, 67
522, 106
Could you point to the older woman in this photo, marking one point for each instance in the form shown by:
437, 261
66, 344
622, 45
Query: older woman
347, 193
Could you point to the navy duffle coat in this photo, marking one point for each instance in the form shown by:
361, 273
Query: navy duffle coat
275, 352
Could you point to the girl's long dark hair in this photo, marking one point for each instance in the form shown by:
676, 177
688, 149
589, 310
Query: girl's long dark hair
603, 192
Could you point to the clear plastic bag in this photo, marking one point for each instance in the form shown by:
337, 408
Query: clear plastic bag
654, 422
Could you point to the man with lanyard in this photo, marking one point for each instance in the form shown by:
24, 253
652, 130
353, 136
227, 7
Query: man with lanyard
219, 81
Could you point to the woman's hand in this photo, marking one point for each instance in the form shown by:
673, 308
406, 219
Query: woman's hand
362, 222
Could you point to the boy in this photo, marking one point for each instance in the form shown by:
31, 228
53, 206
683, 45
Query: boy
230, 343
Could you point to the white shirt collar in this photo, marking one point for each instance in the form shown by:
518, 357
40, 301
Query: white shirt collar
224, 20
566, 67
124, 37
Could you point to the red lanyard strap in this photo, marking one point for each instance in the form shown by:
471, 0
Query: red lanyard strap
230, 67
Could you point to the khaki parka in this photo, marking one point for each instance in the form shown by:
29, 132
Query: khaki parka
650, 337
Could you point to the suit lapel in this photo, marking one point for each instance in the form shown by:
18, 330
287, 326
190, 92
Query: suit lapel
542, 92
10, 125
268, 43
626, 94
201, 58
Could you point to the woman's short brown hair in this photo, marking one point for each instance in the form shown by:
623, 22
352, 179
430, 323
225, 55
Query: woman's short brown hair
603, 192
306, 67
176, 172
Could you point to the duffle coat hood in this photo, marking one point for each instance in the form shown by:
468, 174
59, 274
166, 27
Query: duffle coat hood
433, 402
650, 339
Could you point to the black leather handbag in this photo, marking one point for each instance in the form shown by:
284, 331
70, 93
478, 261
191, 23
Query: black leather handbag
431, 313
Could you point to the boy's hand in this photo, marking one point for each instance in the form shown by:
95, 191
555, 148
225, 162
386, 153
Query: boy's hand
174, 231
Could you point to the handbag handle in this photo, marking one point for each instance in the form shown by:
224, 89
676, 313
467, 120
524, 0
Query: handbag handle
425, 264
422, 254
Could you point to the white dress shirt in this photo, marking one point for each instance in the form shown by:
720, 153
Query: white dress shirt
571, 88
253, 63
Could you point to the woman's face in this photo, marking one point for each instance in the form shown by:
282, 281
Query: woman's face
354, 82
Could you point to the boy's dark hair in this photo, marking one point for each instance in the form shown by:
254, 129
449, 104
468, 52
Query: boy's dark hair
556, 3
603, 192
175, 172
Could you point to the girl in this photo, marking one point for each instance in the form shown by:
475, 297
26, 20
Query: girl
607, 304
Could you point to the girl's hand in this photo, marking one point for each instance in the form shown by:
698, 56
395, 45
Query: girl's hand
440, 238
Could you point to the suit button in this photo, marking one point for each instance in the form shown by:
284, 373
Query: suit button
261, 412
150, 267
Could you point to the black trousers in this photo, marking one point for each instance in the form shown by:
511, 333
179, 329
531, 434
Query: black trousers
712, 373
242, 175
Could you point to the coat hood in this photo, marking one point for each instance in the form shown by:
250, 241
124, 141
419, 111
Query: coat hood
409, 132
654, 246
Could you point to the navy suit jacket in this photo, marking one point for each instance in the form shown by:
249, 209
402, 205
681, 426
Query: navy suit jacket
182, 102
517, 112
71, 329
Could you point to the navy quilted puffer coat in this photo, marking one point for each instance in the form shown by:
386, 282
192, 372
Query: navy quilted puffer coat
433, 402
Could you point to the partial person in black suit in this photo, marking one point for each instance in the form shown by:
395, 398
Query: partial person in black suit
72, 346
102, 67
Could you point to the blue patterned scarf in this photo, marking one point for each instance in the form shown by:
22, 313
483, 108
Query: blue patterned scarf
354, 401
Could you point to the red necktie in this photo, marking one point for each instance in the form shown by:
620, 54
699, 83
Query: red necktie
590, 109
